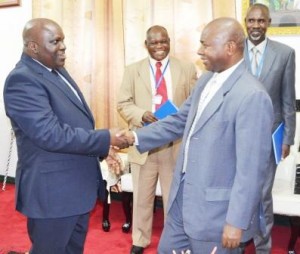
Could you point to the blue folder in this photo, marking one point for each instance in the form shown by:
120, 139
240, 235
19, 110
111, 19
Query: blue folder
166, 109
277, 139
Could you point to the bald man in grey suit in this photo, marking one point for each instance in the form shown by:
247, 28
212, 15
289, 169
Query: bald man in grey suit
222, 165
275, 68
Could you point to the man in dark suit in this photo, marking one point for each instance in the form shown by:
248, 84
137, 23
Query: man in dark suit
58, 176
273, 64
140, 95
222, 165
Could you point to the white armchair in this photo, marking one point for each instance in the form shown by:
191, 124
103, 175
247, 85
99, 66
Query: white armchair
126, 178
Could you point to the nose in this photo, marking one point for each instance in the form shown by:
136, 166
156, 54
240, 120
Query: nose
255, 23
62, 46
159, 44
200, 51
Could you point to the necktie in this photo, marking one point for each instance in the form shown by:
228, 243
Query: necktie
254, 62
161, 90
60, 79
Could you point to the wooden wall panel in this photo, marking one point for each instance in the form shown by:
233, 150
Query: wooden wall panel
224, 8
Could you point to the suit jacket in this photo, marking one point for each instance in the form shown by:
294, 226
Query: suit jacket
135, 96
57, 171
278, 77
227, 162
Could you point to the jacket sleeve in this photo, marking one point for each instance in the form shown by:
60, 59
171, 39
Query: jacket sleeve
29, 105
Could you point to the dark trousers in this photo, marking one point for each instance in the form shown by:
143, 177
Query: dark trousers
59, 236
126, 204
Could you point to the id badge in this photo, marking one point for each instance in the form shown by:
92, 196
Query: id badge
157, 99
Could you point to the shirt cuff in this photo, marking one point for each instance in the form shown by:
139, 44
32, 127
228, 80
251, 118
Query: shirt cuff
136, 141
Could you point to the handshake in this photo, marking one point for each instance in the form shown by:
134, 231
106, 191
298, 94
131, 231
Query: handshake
121, 138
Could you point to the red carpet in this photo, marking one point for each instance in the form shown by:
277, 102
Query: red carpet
13, 235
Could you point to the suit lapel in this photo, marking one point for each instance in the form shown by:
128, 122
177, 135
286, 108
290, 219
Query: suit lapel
144, 74
65, 89
218, 98
83, 106
210, 109
42, 71
269, 58
175, 74
246, 57
196, 97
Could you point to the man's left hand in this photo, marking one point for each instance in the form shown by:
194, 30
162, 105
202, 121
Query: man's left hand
231, 237
285, 151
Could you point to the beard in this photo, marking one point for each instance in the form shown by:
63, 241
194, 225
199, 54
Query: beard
255, 36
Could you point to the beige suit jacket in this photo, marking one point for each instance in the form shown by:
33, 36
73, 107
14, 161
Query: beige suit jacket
135, 95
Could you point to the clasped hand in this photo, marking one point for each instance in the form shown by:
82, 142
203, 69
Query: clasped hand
114, 161
119, 139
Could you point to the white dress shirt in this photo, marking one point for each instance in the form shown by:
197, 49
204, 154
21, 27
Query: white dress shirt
166, 75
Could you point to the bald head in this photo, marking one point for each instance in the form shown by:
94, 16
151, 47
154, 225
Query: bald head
43, 40
222, 44
228, 29
156, 29
261, 7
35, 27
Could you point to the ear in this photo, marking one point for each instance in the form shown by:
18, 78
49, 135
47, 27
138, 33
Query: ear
231, 47
33, 46
270, 20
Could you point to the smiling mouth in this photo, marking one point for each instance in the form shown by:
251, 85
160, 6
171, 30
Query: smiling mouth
204, 61
256, 35
62, 56
161, 52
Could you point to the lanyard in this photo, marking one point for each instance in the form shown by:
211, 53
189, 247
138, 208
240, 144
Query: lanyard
260, 65
157, 84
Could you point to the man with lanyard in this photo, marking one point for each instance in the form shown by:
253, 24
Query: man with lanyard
148, 84
273, 63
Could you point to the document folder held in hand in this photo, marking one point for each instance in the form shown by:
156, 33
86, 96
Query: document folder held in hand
166, 109
277, 139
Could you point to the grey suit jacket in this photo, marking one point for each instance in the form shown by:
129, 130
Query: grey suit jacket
278, 77
227, 162
135, 95
58, 171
